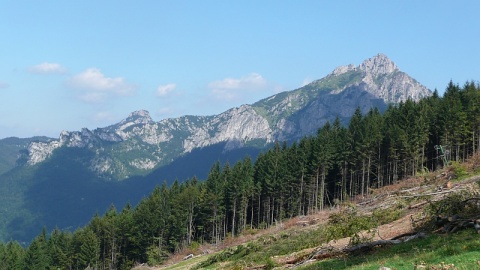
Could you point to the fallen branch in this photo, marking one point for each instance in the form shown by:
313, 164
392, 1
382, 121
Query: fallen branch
395, 241
417, 205
330, 252
429, 194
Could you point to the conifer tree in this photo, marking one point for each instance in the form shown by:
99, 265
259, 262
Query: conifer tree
12, 256
37, 255
215, 199
87, 248
61, 249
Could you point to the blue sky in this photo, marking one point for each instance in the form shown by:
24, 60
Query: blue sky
70, 64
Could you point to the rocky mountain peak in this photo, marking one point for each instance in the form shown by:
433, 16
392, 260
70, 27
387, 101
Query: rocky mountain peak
378, 65
135, 118
138, 117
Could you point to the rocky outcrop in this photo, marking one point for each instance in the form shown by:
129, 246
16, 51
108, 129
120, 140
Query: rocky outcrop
383, 79
139, 143
236, 126
39, 151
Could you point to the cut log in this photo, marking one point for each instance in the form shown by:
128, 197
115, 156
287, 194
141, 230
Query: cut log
370, 245
325, 253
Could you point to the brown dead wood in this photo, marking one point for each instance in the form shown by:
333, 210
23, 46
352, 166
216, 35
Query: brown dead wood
330, 252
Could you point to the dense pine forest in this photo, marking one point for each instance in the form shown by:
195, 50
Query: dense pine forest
338, 163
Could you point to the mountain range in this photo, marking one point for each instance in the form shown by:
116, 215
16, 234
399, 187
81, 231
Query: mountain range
63, 182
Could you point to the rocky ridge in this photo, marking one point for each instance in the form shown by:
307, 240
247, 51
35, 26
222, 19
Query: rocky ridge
138, 143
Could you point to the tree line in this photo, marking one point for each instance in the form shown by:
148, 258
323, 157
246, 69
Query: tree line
288, 180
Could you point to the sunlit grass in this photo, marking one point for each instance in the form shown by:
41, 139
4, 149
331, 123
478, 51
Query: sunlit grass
460, 250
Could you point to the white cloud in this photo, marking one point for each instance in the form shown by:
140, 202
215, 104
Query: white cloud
252, 80
165, 90
230, 89
97, 87
48, 68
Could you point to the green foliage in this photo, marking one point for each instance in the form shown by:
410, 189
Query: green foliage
156, 255
387, 215
360, 228
269, 264
12, 256
87, 248
36, 256
233, 254
348, 223
460, 170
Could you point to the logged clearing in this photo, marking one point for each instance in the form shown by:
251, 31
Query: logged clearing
411, 196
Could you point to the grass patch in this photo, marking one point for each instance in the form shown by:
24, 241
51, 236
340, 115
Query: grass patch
188, 263
261, 250
453, 251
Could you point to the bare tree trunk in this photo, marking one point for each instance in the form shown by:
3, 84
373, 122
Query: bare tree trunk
478, 143
190, 225
233, 218
259, 209
322, 189
214, 229
363, 177
272, 208
300, 211
251, 216
368, 172
113, 257
245, 209
316, 188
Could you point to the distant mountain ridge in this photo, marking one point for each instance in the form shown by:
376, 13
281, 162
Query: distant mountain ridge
63, 182
137, 144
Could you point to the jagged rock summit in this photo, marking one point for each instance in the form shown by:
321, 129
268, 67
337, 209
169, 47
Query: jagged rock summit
382, 78
386, 81
378, 65
137, 117
138, 144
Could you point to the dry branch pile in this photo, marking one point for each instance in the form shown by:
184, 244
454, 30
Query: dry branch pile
469, 218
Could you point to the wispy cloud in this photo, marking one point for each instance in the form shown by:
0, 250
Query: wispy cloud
48, 68
3, 85
306, 81
104, 116
166, 111
165, 90
97, 87
231, 89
